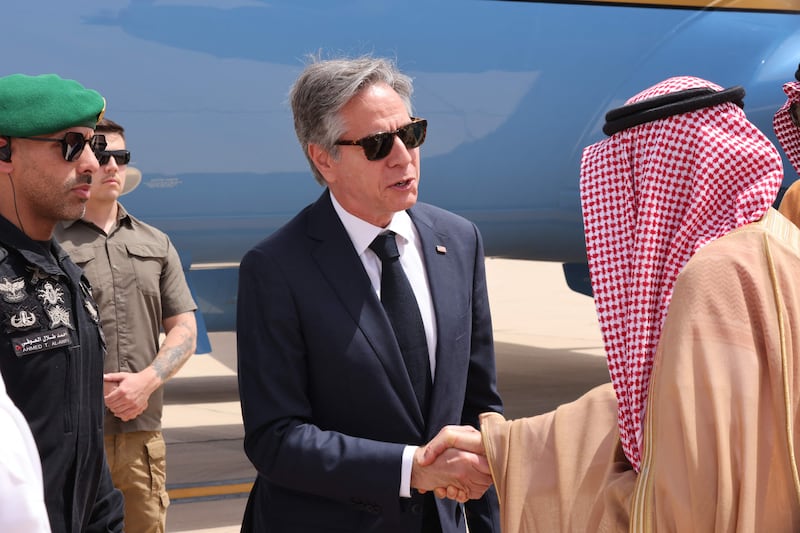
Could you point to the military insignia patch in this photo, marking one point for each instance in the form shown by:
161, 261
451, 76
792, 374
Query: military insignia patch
23, 319
59, 317
12, 290
50, 295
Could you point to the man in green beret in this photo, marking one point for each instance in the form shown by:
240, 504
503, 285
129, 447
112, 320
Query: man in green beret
51, 346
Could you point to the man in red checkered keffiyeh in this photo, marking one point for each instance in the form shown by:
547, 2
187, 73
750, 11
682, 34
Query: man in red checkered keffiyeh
653, 195
698, 298
787, 128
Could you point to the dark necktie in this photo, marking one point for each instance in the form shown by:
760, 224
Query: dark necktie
400, 304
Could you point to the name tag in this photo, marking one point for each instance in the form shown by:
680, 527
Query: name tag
41, 341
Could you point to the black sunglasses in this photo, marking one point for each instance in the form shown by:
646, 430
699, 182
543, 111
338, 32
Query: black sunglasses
73, 142
122, 157
379, 145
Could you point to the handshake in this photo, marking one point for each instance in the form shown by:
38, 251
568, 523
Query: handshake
453, 465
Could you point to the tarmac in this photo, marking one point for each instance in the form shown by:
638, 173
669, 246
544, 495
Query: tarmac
548, 349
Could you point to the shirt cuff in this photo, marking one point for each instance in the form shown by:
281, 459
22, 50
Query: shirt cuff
405, 472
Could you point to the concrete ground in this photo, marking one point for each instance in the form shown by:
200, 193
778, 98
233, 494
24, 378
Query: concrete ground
548, 348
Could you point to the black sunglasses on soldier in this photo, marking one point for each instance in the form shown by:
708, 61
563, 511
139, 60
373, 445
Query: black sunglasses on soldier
72, 143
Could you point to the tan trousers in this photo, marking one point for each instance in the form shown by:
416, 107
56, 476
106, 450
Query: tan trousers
139, 469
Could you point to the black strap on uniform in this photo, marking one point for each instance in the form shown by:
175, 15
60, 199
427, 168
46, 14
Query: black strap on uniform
668, 105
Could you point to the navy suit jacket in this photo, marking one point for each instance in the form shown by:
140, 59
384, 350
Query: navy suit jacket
326, 400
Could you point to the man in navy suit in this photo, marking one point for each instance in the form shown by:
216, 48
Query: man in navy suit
333, 421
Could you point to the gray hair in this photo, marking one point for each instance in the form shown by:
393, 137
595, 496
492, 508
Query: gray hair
324, 88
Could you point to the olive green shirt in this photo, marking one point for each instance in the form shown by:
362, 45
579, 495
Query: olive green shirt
137, 281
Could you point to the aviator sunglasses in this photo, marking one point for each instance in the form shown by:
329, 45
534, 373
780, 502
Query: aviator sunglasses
122, 157
73, 142
379, 145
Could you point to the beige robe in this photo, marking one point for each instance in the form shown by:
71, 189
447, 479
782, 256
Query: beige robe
719, 437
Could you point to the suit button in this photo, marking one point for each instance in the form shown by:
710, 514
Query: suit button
416, 508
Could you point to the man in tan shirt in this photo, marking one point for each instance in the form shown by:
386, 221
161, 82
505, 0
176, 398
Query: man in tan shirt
140, 288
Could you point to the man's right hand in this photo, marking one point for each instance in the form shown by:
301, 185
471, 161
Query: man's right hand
453, 465
127, 394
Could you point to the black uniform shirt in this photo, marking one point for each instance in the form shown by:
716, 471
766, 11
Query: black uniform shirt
51, 359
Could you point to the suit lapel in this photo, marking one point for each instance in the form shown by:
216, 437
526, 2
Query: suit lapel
444, 282
342, 268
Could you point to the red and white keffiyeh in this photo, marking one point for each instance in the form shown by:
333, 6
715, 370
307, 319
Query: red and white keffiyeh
786, 130
652, 195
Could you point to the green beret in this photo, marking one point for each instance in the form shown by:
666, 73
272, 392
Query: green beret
37, 105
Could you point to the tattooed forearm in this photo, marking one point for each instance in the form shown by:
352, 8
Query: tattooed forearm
177, 347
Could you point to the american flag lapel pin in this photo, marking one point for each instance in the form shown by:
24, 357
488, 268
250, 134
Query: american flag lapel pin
441, 249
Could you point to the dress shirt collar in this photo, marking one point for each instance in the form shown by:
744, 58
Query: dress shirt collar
362, 233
